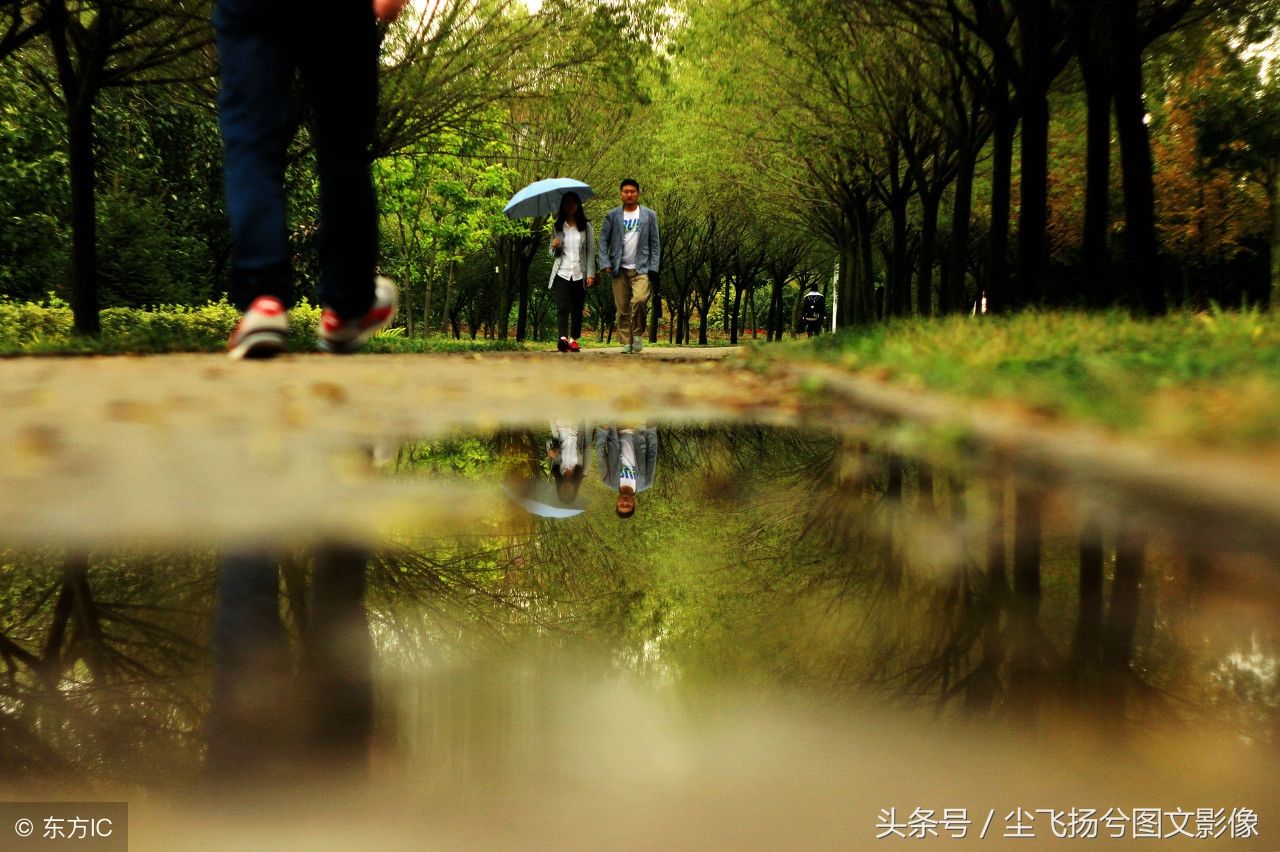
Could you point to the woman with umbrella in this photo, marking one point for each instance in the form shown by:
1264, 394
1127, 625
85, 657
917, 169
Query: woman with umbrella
574, 269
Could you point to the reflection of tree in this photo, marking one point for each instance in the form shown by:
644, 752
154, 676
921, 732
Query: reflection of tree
95, 669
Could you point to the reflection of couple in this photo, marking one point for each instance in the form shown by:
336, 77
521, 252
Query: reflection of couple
625, 457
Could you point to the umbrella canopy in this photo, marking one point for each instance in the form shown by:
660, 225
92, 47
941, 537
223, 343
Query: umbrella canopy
538, 497
542, 198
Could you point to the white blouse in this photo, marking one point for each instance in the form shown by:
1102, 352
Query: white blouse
571, 259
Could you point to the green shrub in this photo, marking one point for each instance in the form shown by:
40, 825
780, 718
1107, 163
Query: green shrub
46, 328
25, 324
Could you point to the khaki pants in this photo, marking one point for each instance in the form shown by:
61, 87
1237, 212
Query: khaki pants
631, 295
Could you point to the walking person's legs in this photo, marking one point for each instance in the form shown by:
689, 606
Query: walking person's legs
339, 65
561, 289
255, 74
622, 299
340, 70
577, 302
253, 706
638, 310
338, 658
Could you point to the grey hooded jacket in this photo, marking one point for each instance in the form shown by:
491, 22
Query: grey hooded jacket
649, 254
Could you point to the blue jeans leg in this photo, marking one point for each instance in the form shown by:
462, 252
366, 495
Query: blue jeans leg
256, 73
339, 65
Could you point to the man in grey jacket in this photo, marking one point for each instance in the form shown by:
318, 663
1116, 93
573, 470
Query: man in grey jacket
630, 251
627, 460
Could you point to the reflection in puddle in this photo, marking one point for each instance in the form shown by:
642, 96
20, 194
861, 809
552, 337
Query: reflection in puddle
766, 616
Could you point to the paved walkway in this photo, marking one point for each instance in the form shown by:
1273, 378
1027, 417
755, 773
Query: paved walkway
186, 449
193, 448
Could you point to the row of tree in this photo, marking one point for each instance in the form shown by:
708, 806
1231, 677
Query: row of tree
924, 151
919, 134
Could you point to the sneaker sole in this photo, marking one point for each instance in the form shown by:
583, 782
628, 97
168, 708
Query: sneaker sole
258, 345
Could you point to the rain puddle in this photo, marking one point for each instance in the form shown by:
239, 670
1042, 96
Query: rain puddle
652, 636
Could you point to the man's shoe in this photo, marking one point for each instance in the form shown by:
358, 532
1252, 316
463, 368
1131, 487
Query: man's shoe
344, 336
262, 330
574, 347
637, 345
563, 344
626, 350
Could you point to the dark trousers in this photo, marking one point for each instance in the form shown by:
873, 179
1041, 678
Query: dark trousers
570, 298
334, 48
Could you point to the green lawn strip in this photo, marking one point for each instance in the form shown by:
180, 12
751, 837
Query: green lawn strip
1213, 378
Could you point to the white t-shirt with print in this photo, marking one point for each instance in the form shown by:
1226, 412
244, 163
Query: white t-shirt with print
630, 238
627, 459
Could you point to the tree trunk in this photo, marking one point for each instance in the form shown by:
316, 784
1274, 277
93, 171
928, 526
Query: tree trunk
702, 322
79, 88
1093, 42
1122, 621
847, 285
928, 241
1089, 624
84, 221
733, 316
962, 211
1033, 219
1141, 256
1026, 550
426, 308
726, 305
1122, 617
1004, 124
898, 302
1025, 664
866, 290
775, 311
522, 312
504, 301
1273, 190
925, 503
448, 300
655, 316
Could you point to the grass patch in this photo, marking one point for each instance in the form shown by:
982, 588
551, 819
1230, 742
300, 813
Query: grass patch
1209, 377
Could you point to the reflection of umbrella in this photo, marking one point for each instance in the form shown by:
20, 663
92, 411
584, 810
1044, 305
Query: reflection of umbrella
539, 497
542, 198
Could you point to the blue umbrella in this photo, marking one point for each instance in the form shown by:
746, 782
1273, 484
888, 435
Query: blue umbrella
542, 198
540, 498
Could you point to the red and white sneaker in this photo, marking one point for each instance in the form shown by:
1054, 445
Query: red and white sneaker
574, 347
344, 336
262, 330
